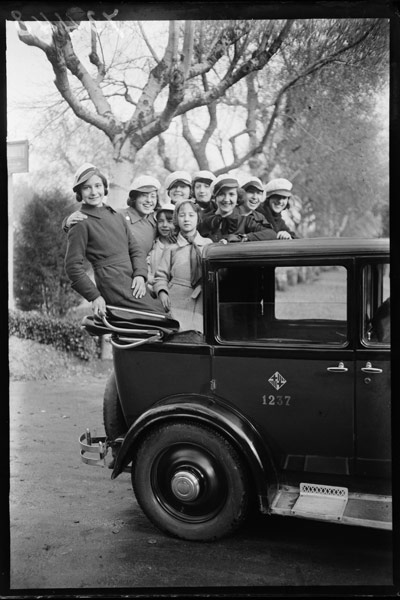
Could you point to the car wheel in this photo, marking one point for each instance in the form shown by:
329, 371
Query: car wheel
190, 482
113, 417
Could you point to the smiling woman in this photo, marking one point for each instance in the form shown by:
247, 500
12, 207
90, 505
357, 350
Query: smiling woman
142, 201
227, 223
104, 239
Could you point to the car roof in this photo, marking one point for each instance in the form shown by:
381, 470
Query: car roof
297, 247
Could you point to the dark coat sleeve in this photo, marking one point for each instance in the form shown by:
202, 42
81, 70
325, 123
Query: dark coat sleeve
258, 228
75, 261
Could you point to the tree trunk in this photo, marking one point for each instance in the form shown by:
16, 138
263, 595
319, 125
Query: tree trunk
122, 175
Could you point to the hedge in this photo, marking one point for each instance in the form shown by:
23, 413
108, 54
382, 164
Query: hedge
62, 334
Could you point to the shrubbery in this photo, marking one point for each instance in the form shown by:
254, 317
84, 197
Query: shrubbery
62, 334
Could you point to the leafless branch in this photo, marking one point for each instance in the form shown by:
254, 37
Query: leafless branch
147, 42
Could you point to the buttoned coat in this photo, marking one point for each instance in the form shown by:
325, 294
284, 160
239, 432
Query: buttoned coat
104, 239
143, 228
217, 227
174, 276
277, 221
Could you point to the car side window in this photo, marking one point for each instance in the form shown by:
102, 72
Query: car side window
376, 304
285, 305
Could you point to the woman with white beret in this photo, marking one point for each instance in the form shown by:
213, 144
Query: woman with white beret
140, 215
178, 186
202, 190
227, 223
278, 193
104, 239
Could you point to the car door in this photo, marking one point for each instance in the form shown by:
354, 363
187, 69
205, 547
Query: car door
373, 371
285, 357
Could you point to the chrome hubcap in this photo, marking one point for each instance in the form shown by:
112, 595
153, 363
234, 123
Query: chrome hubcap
185, 485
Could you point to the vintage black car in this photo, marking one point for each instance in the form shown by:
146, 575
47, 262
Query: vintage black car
282, 403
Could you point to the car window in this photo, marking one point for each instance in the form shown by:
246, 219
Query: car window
283, 305
376, 304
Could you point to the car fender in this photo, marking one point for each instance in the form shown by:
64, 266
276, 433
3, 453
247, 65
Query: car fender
218, 415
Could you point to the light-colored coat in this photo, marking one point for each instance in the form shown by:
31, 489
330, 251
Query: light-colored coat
173, 276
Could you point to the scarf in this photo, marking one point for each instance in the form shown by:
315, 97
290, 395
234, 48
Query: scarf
195, 261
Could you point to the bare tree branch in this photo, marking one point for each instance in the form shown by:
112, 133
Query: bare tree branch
146, 39
94, 57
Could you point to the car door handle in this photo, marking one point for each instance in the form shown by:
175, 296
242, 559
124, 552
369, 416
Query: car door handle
339, 369
370, 369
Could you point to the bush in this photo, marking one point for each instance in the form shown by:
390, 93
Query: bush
63, 335
40, 280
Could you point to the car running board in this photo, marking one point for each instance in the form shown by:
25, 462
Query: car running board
334, 504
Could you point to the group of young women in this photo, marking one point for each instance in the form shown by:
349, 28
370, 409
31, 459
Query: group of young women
148, 255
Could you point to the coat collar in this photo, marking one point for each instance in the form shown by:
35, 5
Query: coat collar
133, 216
181, 241
96, 211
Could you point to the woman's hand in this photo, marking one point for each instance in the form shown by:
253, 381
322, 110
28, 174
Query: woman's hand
99, 307
172, 236
138, 287
75, 217
165, 300
283, 235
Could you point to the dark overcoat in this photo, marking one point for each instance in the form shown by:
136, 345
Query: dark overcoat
104, 239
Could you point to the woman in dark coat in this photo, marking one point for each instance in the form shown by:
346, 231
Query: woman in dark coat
104, 239
227, 223
278, 193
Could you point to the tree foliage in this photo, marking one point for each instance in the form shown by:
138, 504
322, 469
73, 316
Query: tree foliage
40, 282
293, 98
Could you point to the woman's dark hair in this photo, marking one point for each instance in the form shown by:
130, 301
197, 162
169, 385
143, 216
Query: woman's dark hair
242, 195
78, 194
133, 195
278, 196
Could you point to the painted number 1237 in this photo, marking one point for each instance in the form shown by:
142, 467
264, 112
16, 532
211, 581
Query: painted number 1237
273, 400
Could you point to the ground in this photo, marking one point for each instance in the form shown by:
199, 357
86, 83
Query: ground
73, 528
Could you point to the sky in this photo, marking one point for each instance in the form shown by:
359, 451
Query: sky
28, 76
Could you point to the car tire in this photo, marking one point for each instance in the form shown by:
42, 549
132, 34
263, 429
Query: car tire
113, 417
190, 481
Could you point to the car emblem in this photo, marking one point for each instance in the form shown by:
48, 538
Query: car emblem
277, 380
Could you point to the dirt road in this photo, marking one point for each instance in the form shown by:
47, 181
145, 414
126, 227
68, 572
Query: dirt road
73, 528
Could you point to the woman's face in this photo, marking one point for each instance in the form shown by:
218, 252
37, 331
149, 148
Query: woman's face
187, 218
145, 203
226, 201
278, 203
202, 192
92, 191
165, 224
253, 198
179, 191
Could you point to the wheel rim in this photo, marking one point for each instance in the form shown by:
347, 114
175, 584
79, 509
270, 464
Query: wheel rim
189, 483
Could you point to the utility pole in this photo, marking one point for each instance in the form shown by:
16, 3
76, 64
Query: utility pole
17, 162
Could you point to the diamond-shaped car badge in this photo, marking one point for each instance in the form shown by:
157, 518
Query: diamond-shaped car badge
277, 380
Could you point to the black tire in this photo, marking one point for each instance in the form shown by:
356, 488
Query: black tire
113, 417
190, 482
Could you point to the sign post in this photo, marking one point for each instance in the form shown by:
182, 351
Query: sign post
17, 162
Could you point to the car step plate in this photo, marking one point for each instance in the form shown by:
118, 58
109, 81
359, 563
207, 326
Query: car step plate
320, 501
